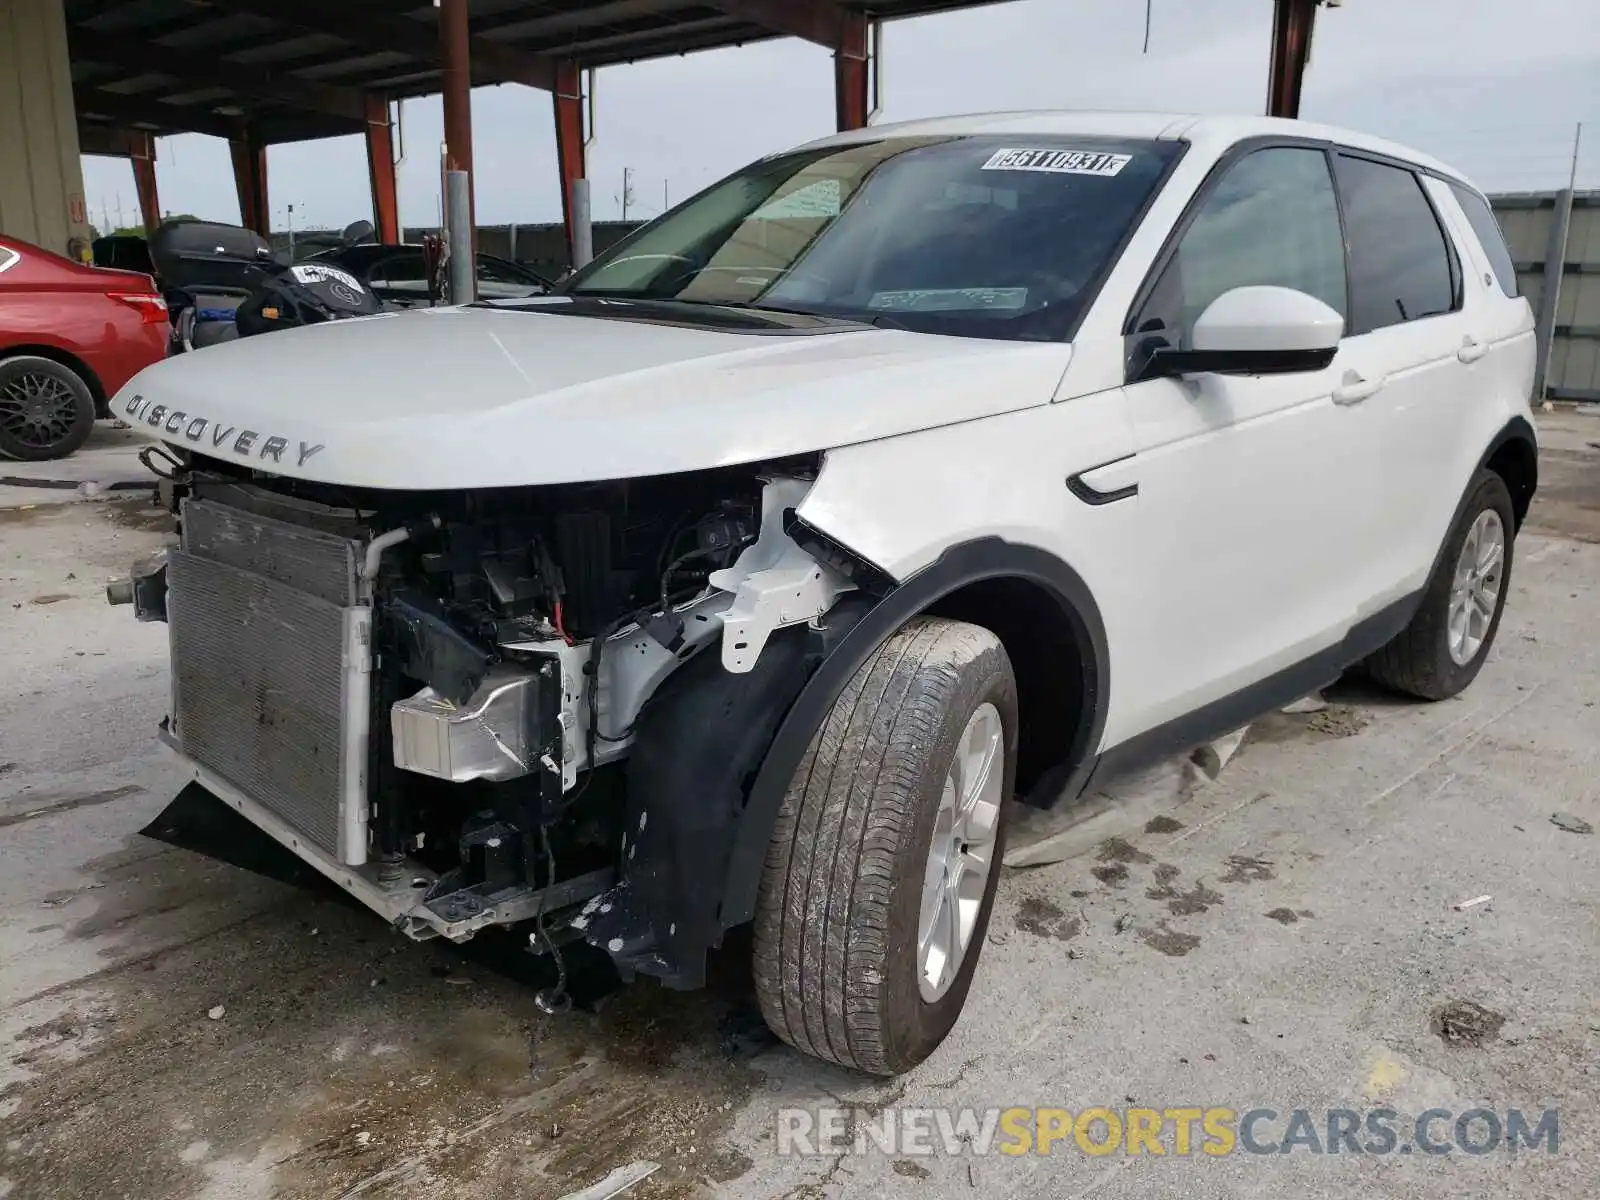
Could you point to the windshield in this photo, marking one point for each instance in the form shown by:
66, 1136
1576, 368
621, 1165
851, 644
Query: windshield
1003, 237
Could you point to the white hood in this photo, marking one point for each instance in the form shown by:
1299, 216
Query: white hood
485, 397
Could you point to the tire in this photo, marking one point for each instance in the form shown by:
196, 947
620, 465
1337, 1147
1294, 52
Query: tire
835, 950
1419, 661
46, 409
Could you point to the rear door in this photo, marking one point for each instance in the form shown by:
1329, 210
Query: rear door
1248, 515
1409, 362
1504, 320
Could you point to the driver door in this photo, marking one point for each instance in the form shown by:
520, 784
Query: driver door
1250, 487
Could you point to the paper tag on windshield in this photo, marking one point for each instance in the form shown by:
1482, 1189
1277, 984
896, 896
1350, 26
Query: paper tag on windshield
318, 273
820, 198
1058, 162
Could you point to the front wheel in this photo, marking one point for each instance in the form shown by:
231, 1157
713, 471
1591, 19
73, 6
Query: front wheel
883, 862
1441, 651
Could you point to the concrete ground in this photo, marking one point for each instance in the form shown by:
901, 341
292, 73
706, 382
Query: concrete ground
1284, 938
106, 463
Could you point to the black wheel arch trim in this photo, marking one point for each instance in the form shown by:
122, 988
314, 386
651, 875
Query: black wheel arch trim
1517, 429
959, 566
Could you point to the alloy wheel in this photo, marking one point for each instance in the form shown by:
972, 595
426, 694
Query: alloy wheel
961, 855
38, 410
1475, 590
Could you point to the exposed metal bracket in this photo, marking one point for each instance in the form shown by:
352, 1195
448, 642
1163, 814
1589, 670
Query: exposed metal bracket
774, 582
459, 915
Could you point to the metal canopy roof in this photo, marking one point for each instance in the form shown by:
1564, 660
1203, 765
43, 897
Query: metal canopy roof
296, 69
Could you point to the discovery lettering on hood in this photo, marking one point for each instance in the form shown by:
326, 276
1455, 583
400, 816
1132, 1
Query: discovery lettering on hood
246, 443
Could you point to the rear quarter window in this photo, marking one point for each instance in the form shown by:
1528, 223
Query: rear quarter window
1401, 266
1486, 228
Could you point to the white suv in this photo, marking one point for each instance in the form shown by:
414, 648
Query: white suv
743, 580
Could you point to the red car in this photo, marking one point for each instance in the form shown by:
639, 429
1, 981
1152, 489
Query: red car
70, 337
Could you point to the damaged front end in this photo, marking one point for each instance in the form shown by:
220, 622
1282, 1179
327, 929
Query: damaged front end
484, 708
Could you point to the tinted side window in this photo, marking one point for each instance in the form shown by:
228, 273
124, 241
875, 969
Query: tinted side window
1490, 236
402, 275
499, 278
1272, 219
1400, 264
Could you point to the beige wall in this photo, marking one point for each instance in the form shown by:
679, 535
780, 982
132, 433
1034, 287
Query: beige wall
41, 178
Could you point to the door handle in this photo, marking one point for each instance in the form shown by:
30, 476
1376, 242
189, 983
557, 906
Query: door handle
1354, 388
1471, 349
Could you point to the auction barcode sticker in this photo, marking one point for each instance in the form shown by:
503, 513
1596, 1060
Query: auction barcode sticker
1060, 162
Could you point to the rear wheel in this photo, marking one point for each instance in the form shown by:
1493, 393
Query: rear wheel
1443, 648
46, 409
884, 859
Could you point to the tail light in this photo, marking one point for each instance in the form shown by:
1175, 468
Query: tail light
152, 308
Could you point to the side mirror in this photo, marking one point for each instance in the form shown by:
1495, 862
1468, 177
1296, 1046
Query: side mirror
356, 232
1258, 330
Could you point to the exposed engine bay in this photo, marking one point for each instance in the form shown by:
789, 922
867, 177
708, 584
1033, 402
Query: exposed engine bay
433, 698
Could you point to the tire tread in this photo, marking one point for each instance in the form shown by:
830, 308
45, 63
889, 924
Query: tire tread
823, 916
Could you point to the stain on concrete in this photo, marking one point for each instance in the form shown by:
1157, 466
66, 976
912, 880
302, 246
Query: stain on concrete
1334, 721
1163, 824
137, 512
1244, 868
1197, 899
1466, 1023
1338, 721
1040, 917
49, 806
461, 1091
910, 1170
1283, 916
51, 598
1110, 874
1121, 850
727, 1164
1170, 942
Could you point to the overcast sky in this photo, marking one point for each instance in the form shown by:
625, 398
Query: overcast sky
1495, 87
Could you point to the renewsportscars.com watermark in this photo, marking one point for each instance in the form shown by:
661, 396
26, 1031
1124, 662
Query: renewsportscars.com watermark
1179, 1131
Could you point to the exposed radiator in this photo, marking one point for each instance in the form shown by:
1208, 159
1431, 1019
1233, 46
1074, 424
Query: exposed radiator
270, 662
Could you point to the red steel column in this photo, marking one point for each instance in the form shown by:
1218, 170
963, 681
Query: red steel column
380, 170
142, 153
1292, 21
850, 79
568, 98
250, 180
455, 42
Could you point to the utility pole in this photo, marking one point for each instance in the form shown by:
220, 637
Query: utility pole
664, 203
1555, 266
627, 190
